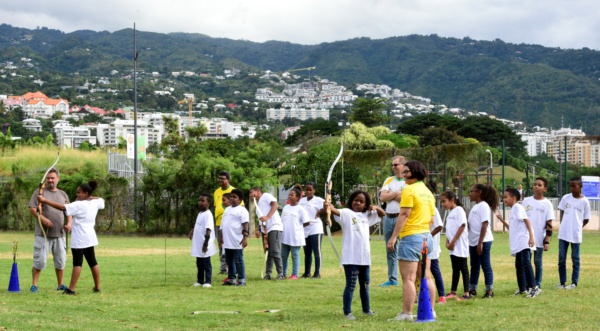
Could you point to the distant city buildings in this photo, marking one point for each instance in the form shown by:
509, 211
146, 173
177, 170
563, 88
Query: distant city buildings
298, 113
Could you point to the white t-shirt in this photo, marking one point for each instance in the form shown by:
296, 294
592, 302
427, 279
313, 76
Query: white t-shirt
479, 214
435, 250
518, 235
232, 226
84, 214
356, 248
293, 218
575, 211
264, 203
538, 213
393, 184
456, 218
204, 222
312, 206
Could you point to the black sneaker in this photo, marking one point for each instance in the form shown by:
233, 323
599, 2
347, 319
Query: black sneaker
69, 292
473, 293
267, 277
488, 295
317, 276
305, 275
96, 290
228, 284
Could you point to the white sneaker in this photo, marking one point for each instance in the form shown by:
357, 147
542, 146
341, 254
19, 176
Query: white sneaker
207, 285
350, 317
533, 292
196, 284
519, 292
402, 317
560, 286
571, 287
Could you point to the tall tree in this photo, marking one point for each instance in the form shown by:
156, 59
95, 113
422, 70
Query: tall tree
369, 112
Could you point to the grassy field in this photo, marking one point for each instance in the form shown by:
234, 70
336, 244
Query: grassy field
136, 295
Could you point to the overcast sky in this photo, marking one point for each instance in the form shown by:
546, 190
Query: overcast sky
552, 23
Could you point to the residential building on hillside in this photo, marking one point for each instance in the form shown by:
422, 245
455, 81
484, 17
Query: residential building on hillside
108, 134
299, 113
32, 124
580, 149
536, 142
68, 136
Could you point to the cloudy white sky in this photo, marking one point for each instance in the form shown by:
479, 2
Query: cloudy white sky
552, 23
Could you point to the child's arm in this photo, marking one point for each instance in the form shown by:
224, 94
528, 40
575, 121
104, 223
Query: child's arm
586, 221
244, 242
380, 212
548, 235
450, 245
191, 234
51, 203
530, 230
436, 230
498, 216
334, 210
484, 227
206, 239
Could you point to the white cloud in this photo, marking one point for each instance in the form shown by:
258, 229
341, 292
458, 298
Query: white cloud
553, 23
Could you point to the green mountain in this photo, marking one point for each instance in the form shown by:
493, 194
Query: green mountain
532, 83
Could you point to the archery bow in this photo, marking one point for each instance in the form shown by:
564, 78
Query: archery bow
328, 185
265, 236
41, 192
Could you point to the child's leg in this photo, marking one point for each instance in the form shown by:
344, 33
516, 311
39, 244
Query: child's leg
317, 252
207, 271
307, 256
285, 253
90, 257
464, 270
231, 272
295, 260
527, 269
486, 266
351, 272
520, 271
475, 266
537, 259
437, 276
275, 250
576, 262
364, 279
200, 267
455, 260
239, 265
563, 247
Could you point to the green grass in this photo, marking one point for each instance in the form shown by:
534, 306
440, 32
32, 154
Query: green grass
135, 295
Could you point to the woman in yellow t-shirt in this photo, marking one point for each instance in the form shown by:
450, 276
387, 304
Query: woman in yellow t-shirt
412, 227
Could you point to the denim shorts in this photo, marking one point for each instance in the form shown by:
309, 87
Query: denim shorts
410, 247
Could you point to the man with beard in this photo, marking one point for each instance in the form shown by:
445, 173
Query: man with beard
53, 222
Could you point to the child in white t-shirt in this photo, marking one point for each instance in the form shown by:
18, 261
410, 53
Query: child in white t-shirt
294, 218
541, 214
356, 248
313, 233
522, 242
234, 234
83, 235
203, 241
574, 215
434, 255
457, 242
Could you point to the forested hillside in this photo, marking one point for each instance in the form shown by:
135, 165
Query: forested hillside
536, 84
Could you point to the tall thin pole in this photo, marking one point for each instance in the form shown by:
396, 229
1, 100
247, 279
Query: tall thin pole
566, 182
135, 143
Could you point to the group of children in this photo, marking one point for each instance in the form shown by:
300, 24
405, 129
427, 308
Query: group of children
298, 226
529, 225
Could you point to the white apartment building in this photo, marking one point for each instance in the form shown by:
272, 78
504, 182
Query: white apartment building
299, 113
32, 124
108, 134
68, 136
536, 142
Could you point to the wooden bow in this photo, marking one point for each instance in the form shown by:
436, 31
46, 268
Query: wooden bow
328, 185
41, 192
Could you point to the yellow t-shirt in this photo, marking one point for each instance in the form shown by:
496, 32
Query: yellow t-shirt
422, 203
218, 202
